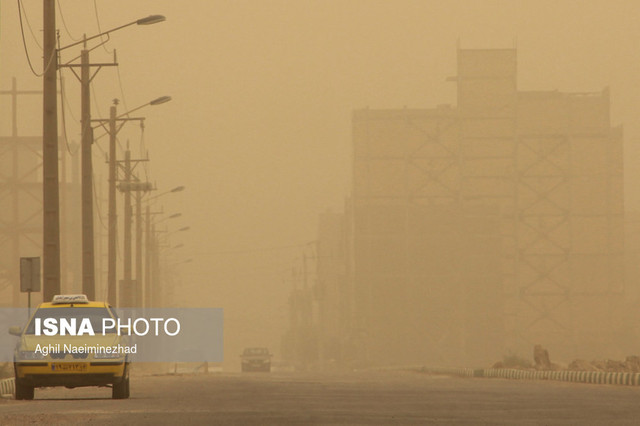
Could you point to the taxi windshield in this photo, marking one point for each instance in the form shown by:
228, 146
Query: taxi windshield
95, 315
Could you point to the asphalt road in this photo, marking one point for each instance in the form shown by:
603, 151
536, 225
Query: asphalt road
353, 398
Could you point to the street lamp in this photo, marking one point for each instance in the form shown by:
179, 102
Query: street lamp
173, 216
151, 19
113, 130
160, 100
176, 189
168, 234
88, 268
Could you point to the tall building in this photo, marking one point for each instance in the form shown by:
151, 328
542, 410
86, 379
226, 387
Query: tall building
486, 228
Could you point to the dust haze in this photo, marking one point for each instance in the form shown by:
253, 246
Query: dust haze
367, 183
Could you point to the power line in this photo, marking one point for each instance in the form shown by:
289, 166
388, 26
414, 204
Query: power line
66, 99
97, 203
124, 99
97, 106
64, 121
26, 51
64, 23
143, 152
95, 8
26, 18
88, 128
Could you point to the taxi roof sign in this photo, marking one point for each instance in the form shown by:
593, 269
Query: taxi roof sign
69, 298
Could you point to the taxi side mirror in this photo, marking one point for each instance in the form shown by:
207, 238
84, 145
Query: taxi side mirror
15, 330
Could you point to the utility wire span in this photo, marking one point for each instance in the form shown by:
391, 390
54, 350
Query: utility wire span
26, 50
66, 99
64, 120
143, 152
124, 98
26, 18
95, 8
96, 203
97, 106
95, 103
64, 23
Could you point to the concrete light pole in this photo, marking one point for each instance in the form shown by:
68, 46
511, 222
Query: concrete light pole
131, 291
116, 122
139, 284
50, 186
152, 265
88, 261
113, 218
146, 276
88, 266
147, 258
127, 295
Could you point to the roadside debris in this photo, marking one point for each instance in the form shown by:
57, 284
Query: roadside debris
542, 362
541, 358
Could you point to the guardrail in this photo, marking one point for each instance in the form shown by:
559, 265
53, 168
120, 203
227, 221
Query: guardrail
596, 377
7, 388
464, 372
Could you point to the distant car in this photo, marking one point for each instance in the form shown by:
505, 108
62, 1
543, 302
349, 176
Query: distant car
58, 367
256, 359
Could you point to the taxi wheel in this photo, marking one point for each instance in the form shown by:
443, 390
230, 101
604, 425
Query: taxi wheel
121, 390
23, 391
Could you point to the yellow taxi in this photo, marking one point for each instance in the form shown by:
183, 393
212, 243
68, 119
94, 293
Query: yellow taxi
66, 343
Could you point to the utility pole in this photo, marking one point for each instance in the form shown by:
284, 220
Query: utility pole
88, 254
113, 129
131, 290
308, 293
88, 265
147, 258
156, 299
50, 189
139, 286
113, 218
88, 249
127, 295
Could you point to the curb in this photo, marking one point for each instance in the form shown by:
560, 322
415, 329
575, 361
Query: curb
596, 377
7, 388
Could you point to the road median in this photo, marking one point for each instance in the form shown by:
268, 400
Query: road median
595, 377
7, 388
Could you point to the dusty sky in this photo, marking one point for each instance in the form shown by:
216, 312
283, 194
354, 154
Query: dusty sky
259, 126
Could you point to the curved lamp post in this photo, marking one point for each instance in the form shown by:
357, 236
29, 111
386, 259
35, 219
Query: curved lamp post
85, 77
115, 124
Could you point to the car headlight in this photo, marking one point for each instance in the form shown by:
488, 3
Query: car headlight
30, 355
104, 355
